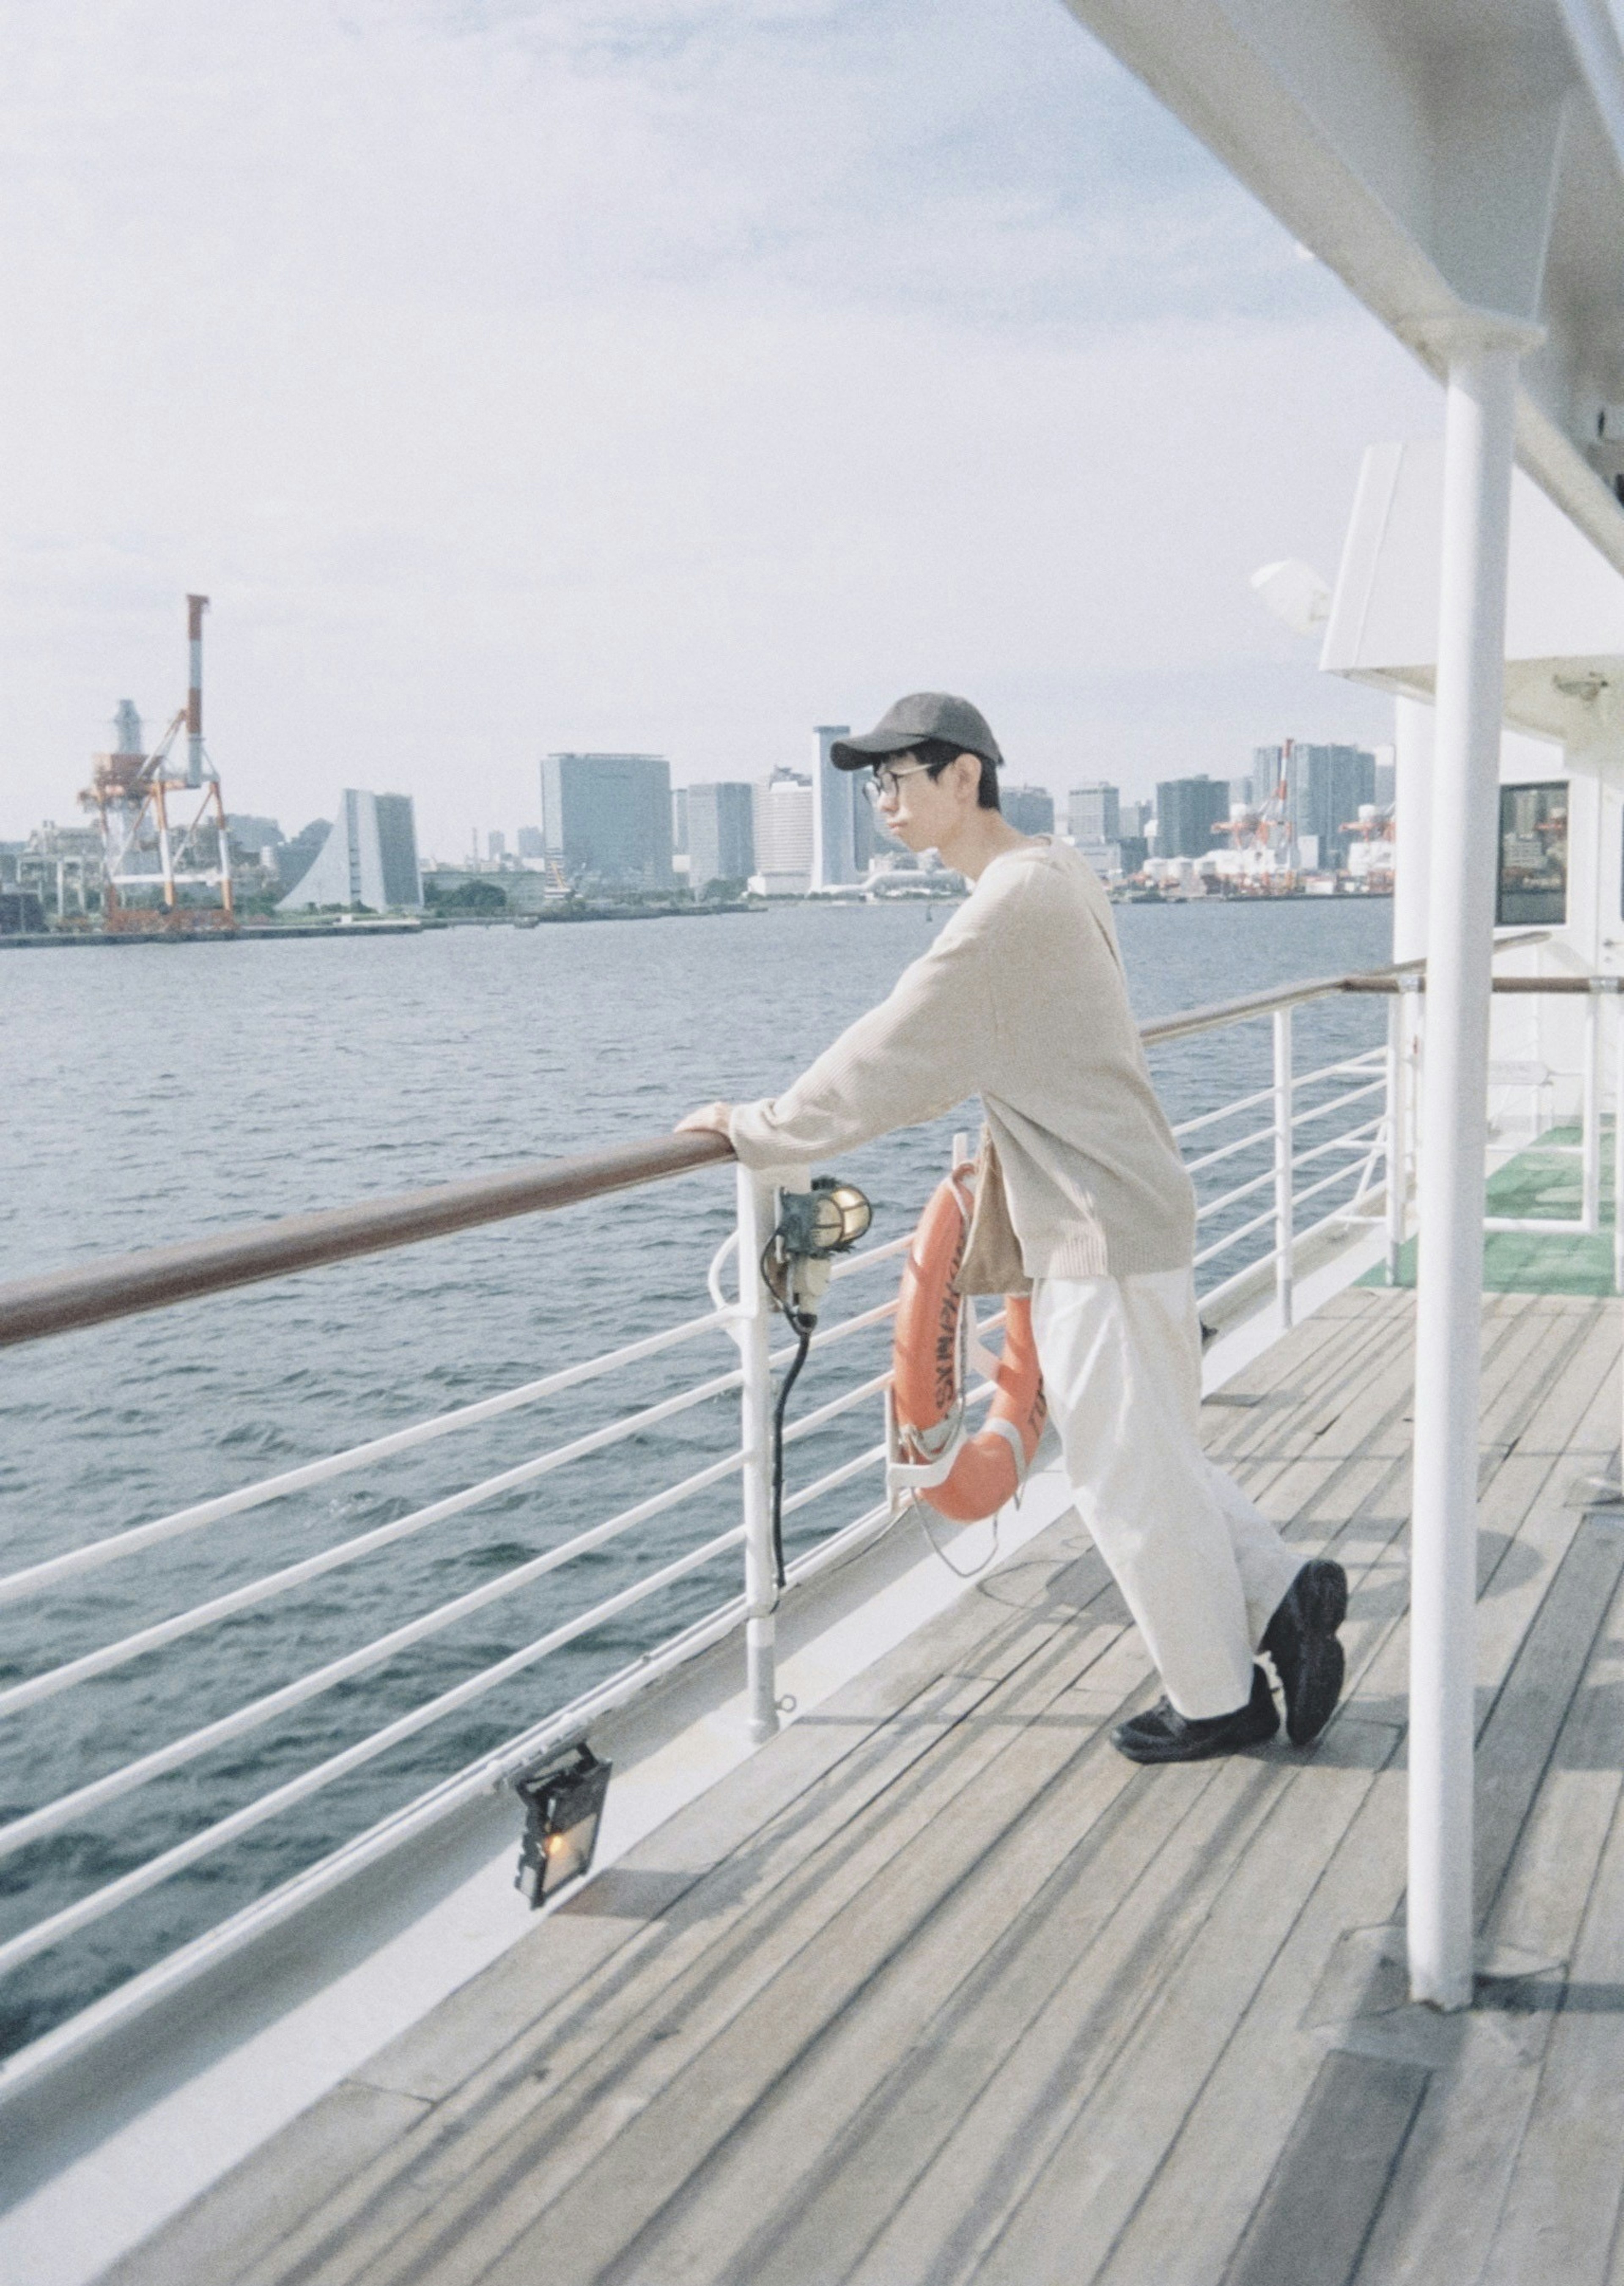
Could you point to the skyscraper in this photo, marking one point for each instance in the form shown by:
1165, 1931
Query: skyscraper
1327, 785
1093, 812
1029, 809
398, 849
834, 822
1186, 811
1267, 763
607, 818
720, 834
783, 818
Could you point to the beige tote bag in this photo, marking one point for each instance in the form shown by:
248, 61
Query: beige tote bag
992, 1262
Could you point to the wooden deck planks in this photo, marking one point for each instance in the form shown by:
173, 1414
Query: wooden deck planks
939, 1989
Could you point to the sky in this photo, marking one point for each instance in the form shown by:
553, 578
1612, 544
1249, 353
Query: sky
665, 376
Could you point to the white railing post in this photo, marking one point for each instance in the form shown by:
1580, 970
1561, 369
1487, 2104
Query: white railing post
1590, 1137
1478, 448
1397, 1140
1282, 1165
752, 1334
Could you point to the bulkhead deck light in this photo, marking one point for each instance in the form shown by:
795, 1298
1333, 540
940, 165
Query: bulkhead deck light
563, 1800
813, 1227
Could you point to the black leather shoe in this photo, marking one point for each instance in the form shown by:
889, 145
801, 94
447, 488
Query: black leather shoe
1301, 1639
1164, 1735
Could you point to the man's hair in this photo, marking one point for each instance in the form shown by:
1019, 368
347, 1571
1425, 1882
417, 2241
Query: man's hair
937, 753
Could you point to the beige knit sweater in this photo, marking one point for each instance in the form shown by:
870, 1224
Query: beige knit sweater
1021, 1000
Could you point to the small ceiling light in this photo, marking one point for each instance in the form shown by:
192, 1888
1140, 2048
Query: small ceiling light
564, 1802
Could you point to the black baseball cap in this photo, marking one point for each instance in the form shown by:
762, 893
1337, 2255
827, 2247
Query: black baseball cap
922, 715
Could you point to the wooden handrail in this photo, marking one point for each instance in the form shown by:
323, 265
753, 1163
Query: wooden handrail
124, 1285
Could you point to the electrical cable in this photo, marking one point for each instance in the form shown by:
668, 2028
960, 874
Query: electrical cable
801, 1324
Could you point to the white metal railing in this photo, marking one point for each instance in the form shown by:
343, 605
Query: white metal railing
1311, 1154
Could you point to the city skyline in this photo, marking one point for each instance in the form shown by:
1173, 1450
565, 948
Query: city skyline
615, 474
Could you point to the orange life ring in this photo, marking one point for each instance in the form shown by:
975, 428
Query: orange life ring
926, 1381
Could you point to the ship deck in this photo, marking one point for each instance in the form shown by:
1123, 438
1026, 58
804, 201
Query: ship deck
937, 1987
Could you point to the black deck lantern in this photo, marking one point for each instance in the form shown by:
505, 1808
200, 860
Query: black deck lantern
563, 1800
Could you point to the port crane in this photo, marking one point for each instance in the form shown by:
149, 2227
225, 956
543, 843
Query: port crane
149, 841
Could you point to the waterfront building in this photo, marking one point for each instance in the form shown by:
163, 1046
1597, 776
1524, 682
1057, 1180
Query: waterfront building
530, 842
782, 817
1327, 786
609, 818
367, 857
836, 795
1186, 811
721, 834
679, 822
253, 836
1133, 817
1093, 813
495, 847
294, 859
1267, 763
1029, 809
60, 865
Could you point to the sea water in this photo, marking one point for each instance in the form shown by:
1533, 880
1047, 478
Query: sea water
160, 1092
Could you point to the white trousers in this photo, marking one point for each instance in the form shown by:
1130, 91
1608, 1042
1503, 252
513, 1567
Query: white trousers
1200, 1569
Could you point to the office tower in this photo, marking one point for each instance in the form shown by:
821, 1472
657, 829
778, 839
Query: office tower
398, 849
1327, 785
1267, 767
1131, 818
367, 857
781, 812
834, 822
495, 847
679, 822
608, 818
1029, 809
1093, 812
1240, 794
1386, 777
531, 843
1186, 811
722, 834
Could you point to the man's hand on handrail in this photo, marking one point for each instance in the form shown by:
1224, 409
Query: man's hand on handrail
711, 1118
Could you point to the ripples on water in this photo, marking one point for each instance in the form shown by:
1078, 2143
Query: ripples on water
162, 1093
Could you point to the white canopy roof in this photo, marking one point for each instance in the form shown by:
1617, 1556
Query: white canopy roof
1452, 161
1564, 603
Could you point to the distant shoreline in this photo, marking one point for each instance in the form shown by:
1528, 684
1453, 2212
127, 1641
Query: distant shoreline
304, 932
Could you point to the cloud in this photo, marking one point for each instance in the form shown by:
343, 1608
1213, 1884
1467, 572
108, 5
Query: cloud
669, 377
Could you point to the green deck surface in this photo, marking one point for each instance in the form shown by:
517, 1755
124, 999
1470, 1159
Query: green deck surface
1540, 1184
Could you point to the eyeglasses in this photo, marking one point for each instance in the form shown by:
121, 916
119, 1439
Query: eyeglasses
884, 784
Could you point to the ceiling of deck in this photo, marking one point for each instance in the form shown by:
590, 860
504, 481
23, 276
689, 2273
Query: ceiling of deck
1450, 160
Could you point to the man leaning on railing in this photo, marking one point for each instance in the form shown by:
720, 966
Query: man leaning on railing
1021, 999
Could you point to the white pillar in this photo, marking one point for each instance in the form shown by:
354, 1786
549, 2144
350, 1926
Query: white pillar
1284, 1139
752, 1333
1477, 446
